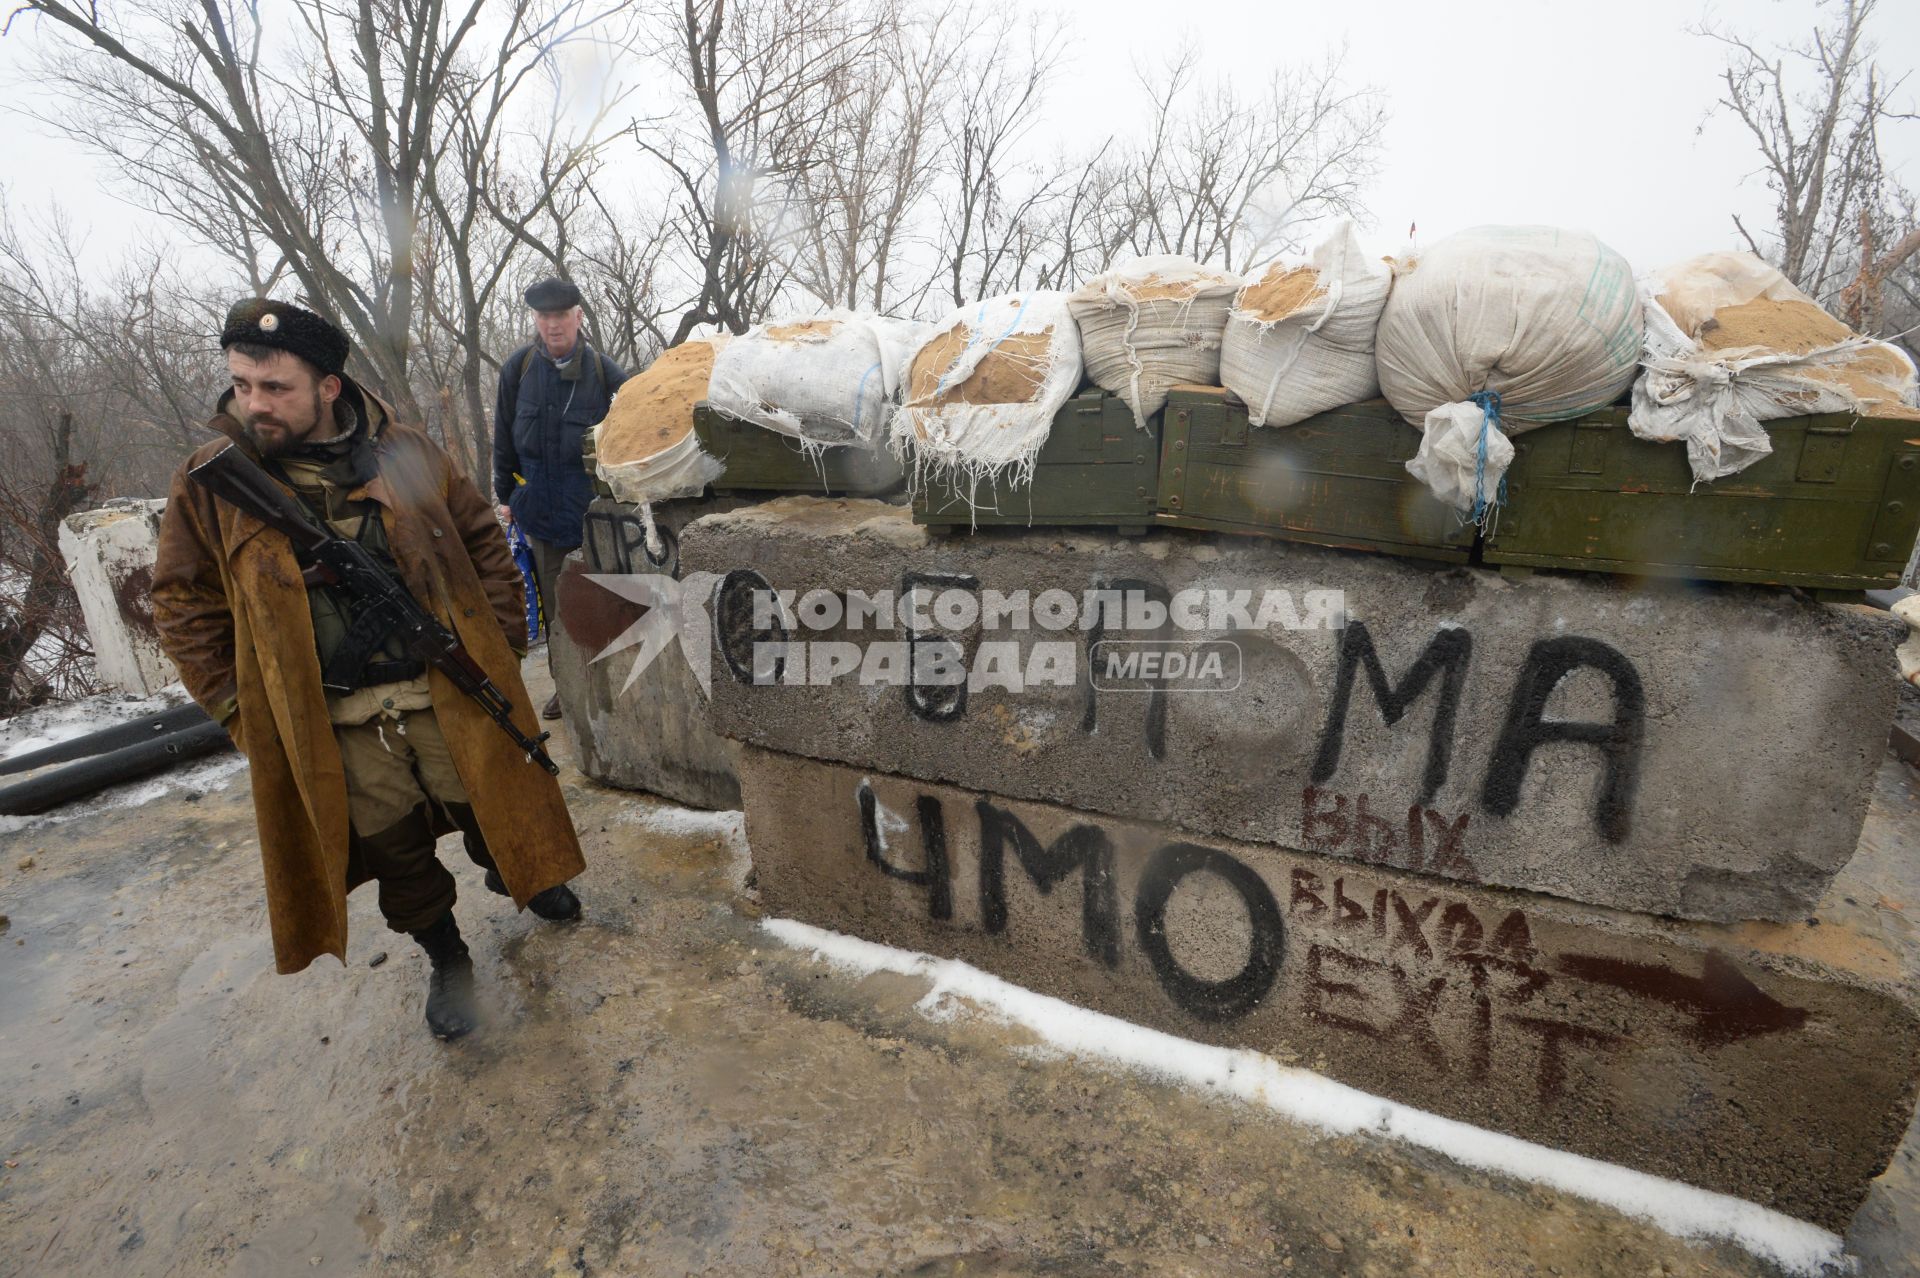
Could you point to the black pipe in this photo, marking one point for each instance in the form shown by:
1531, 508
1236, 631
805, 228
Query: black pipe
149, 728
77, 780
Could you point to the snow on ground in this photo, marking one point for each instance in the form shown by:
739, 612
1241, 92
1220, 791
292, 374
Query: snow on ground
202, 776
1308, 1098
728, 828
51, 724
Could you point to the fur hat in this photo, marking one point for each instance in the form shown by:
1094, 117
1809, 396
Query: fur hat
260, 321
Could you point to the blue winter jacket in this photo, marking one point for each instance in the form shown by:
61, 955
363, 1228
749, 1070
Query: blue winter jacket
540, 417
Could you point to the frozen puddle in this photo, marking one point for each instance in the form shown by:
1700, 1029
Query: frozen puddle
1305, 1097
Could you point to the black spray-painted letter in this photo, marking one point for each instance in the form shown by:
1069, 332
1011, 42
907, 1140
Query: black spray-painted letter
1448, 652
1527, 728
936, 878
1085, 848
1240, 993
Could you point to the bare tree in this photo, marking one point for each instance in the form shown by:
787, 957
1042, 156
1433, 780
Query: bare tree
1815, 111
43, 647
764, 85
880, 156
993, 225
1216, 174
326, 150
126, 350
622, 265
1231, 178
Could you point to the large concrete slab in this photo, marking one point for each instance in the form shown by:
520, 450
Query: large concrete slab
1774, 1062
654, 735
1697, 752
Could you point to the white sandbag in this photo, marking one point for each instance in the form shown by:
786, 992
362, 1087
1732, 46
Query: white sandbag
682, 470
1908, 653
1545, 321
830, 378
1299, 340
1153, 323
645, 448
1732, 343
981, 393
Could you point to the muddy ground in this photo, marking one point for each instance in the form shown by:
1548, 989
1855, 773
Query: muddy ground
658, 1089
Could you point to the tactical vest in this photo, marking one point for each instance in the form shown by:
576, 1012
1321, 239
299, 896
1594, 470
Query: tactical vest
350, 656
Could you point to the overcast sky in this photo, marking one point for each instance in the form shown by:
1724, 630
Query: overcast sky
1592, 114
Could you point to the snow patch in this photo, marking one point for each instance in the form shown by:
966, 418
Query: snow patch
43, 726
1305, 1097
689, 823
203, 776
728, 828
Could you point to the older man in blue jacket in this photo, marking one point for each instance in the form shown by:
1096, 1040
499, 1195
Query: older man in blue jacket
552, 391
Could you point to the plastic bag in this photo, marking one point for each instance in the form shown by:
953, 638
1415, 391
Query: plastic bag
1464, 457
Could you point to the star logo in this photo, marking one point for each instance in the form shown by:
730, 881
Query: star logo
675, 609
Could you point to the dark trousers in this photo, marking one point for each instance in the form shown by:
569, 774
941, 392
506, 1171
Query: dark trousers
415, 888
548, 562
399, 772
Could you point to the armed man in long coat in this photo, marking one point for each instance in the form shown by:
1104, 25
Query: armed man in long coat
356, 785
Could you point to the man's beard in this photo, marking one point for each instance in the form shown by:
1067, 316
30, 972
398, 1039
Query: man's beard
284, 439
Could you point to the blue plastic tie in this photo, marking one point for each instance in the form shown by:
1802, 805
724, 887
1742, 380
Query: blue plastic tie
860, 396
1489, 402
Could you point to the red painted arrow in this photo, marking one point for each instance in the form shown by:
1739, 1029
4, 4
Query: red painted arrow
1726, 1006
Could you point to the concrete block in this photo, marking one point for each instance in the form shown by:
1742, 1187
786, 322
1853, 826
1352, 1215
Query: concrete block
109, 554
1696, 752
1775, 1062
654, 735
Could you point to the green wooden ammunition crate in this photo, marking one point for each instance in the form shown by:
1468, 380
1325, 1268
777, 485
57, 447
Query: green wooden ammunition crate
1835, 506
1335, 479
762, 460
1097, 467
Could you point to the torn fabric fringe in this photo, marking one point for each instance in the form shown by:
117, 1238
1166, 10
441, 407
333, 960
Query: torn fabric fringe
950, 432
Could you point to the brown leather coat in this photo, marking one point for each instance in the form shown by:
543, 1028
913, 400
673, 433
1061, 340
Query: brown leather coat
232, 613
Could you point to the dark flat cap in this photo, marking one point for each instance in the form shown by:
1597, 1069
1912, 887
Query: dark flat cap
260, 321
553, 295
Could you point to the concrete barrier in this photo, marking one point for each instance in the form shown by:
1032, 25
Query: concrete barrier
1774, 1062
654, 735
109, 555
1697, 752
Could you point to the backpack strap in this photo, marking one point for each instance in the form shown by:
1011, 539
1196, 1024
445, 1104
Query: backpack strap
518, 377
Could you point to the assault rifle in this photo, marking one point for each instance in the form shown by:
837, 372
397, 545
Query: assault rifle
379, 600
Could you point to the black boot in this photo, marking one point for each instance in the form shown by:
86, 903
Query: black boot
557, 904
450, 1006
